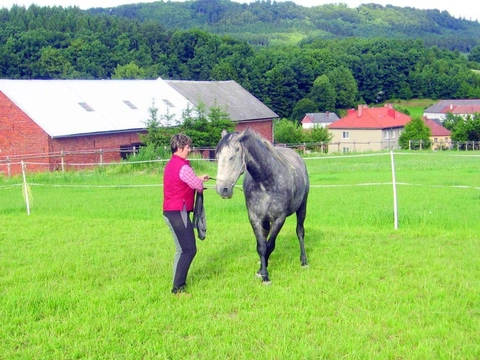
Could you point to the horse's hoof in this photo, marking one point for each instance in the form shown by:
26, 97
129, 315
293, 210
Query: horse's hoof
265, 279
305, 266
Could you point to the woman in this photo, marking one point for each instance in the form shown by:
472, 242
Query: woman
179, 186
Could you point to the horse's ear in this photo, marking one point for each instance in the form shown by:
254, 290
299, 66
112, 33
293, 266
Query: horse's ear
242, 134
245, 133
224, 132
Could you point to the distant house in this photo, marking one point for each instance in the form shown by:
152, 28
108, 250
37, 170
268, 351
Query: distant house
324, 119
462, 108
367, 129
440, 136
103, 118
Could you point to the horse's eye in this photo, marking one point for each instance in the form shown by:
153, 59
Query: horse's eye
237, 149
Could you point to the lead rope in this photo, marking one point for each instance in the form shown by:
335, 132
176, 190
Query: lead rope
233, 185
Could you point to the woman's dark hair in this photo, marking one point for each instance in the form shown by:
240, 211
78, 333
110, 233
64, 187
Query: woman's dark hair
179, 141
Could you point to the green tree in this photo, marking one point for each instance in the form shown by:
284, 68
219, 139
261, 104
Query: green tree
323, 94
157, 136
129, 71
345, 86
224, 71
417, 134
472, 127
474, 54
317, 134
205, 126
202, 125
302, 107
451, 122
54, 65
282, 87
287, 132
467, 129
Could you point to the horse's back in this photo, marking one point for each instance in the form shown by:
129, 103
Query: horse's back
299, 182
297, 164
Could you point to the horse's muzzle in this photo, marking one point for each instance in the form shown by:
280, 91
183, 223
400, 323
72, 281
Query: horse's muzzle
225, 192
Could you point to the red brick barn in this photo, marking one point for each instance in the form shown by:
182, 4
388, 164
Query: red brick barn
22, 139
50, 123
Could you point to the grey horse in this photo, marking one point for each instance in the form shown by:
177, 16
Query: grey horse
275, 185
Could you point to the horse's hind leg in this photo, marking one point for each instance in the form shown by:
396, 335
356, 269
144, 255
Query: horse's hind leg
301, 214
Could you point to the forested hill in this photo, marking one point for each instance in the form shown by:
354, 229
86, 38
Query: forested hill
268, 23
317, 74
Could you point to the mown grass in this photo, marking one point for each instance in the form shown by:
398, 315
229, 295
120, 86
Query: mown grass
88, 273
416, 107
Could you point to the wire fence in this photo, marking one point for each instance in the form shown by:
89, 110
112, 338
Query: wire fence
83, 159
312, 161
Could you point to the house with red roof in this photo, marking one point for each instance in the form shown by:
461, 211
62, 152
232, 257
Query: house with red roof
367, 129
440, 137
462, 108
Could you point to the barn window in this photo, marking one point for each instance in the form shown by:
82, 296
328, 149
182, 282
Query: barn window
169, 104
86, 106
130, 105
129, 150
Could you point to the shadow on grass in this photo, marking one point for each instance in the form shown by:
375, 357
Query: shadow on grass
220, 256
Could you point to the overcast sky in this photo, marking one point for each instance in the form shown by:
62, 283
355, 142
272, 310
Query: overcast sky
457, 8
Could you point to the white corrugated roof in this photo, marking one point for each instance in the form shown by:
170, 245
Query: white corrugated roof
55, 104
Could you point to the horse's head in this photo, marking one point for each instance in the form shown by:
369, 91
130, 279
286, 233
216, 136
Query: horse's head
231, 162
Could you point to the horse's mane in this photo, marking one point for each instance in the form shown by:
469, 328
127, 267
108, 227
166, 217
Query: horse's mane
249, 133
270, 147
224, 141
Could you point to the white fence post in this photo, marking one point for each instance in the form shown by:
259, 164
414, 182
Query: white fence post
394, 184
62, 154
26, 192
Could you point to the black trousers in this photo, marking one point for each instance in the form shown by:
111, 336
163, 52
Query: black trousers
185, 244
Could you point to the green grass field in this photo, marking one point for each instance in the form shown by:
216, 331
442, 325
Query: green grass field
415, 107
88, 274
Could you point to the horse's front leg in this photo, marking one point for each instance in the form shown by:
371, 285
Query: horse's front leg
266, 244
261, 236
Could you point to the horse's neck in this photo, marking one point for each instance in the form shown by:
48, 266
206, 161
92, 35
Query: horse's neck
259, 161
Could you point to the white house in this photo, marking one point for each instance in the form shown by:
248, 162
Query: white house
456, 107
